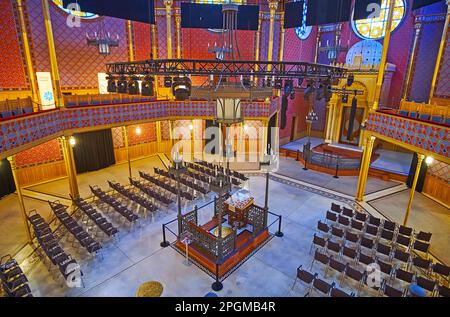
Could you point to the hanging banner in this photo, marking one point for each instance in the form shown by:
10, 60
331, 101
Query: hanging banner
44, 80
102, 83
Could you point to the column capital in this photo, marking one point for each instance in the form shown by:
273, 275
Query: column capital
168, 3
12, 161
273, 5
178, 20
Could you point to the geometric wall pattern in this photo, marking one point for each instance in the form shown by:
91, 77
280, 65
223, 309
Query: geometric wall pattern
44, 153
148, 133
24, 130
443, 83
431, 138
440, 170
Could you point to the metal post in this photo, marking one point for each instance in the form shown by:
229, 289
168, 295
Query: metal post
298, 156
337, 168
420, 159
279, 233
179, 204
164, 243
217, 285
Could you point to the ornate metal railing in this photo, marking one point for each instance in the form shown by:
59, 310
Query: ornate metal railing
330, 161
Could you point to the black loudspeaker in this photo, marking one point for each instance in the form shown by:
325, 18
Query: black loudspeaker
293, 11
133, 86
112, 87
417, 4
328, 11
134, 10
284, 107
365, 9
167, 81
412, 172
351, 120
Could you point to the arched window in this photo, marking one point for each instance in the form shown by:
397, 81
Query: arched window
83, 15
376, 28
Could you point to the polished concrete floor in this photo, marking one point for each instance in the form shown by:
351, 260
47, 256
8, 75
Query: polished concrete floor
426, 215
136, 256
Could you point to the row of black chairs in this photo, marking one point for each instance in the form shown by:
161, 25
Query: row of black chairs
190, 184
96, 217
344, 216
74, 228
390, 273
166, 186
120, 208
50, 245
223, 170
138, 199
149, 191
14, 281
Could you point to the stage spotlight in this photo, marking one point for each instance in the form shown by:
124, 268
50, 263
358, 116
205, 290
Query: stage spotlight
147, 88
181, 88
133, 86
72, 141
344, 98
268, 82
288, 86
308, 90
320, 92
278, 83
350, 79
112, 87
328, 93
167, 81
122, 85
245, 81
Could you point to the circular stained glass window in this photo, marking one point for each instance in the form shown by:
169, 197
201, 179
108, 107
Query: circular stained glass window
303, 31
81, 14
375, 28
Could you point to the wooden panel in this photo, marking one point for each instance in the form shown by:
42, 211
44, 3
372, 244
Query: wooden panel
437, 188
141, 150
39, 173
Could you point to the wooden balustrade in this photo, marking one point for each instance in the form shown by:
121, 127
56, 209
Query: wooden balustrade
19, 105
423, 108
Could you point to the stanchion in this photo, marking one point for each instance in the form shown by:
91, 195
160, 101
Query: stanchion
217, 285
298, 156
164, 243
304, 158
279, 233
337, 169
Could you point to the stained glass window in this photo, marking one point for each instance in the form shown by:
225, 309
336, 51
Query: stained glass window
83, 15
375, 28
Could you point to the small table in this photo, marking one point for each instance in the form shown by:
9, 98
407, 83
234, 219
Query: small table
150, 289
417, 291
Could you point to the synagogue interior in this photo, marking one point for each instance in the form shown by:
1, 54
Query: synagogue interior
225, 148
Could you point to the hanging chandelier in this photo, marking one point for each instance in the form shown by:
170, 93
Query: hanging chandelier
102, 39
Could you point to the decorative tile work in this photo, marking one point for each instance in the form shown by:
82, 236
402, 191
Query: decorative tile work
443, 83
253, 129
440, 170
44, 153
148, 133
422, 135
12, 70
255, 109
165, 130
141, 41
38, 40
117, 137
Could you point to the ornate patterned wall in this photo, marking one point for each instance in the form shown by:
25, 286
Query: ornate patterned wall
440, 170
148, 133
443, 83
12, 65
44, 153
141, 41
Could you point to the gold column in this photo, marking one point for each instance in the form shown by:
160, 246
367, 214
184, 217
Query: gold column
328, 137
159, 136
412, 58
178, 27
59, 100
154, 54
316, 54
282, 31
264, 140
364, 168
168, 5
257, 44
127, 149
23, 212
420, 159
70, 166
381, 70
171, 132
28, 60
130, 40
273, 5
442, 47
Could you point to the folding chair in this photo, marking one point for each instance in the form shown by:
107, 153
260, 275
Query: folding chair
354, 275
403, 257
344, 221
421, 247
374, 221
337, 232
318, 241
336, 292
336, 208
427, 284
360, 216
389, 225
336, 265
357, 225
322, 286
422, 263
331, 217
423, 236
406, 231
304, 276
443, 291
441, 272
333, 247
347, 212
372, 231
350, 253
390, 291
323, 227
321, 258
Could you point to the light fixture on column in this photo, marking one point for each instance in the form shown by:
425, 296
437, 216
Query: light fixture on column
72, 141
429, 160
138, 131
102, 39
191, 127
